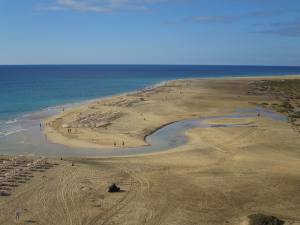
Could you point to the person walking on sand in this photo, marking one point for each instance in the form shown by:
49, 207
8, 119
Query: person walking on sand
123, 144
40, 126
18, 214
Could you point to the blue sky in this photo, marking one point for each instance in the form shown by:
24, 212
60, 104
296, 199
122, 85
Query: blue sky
235, 32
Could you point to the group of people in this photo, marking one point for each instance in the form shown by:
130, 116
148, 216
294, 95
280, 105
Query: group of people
115, 144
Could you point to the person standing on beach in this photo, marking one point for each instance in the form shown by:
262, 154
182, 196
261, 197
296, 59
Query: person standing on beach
18, 214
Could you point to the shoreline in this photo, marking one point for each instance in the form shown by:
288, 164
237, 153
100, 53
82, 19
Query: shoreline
77, 142
57, 109
73, 104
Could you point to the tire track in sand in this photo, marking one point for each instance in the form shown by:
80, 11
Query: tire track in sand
138, 187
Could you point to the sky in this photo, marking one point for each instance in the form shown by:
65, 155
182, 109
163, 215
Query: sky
201, 32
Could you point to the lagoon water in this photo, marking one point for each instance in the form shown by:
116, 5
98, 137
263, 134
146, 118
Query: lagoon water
33, 142
30, 93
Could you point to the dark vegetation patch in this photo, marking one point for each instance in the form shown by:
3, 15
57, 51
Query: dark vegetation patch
286, 92
30, 221
260, 219
4, 193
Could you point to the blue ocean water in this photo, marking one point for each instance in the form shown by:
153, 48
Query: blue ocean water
25, 89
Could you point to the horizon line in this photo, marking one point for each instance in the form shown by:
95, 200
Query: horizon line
144, 64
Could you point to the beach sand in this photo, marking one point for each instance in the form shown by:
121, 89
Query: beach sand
131, 117
222, 175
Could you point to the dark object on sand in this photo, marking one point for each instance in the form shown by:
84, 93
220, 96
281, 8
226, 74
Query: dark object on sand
260, 219
73, 164
114, 188
4, 193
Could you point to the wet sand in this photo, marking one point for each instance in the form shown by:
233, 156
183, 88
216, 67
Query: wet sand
220, 176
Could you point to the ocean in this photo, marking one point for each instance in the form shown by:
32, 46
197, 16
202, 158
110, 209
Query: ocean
26, 90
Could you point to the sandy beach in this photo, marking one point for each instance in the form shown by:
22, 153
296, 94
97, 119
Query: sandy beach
125, 121
222, 175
